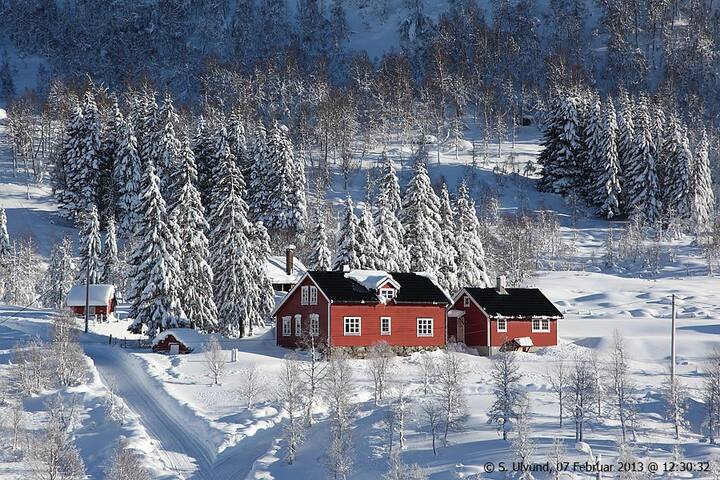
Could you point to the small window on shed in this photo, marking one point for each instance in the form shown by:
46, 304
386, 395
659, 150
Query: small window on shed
466, 301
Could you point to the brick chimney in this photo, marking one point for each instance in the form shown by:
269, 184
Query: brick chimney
500, 285
289, 259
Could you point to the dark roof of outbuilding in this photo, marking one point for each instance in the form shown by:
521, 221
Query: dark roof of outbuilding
414, 288
518, 302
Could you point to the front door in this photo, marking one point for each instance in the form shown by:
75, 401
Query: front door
461, 330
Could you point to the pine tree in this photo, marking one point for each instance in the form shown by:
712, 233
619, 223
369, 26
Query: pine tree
111, 270
561, 145
166, 148
202, 147
607, 165
472, 271
320, 254
238, 145
60, 274
230, 246
367, 240
90, 262
147, 127
390, 187
109, 190
449, 260
391, 253
703, 198
197, 277
262, 300
348, 247
5, 246
642, 182
127, 175
677, 177
625, 145
260, 190
156, 275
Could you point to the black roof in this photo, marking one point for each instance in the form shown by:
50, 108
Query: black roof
518, 302
414, 288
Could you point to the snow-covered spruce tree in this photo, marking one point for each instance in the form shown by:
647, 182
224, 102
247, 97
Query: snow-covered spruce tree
421, 220
320, 255
390, 187
366, 239
348, 247
60, 274
472, 271
391, 253
188, 215
90, 248
606, 164
238, 145
79, 154
111, 268
156, 273
711, 397
166, 149
449, 261
262, 301
703, 198
676, 178
561, 145
522, 443
505, 379
259, 191
229, 244
146, 128
5, 246
127, 175
202, 147
625, 135
641, 175
109, 190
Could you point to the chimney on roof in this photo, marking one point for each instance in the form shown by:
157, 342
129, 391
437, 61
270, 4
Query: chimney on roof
289, 259
346, 268
500, 285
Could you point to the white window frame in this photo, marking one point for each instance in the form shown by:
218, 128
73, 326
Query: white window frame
298, 325
313, 295
314, 324
347, 321
389, 326
466, 301
286, 326
387, 293
304, 295
543, 325
504, 324
425, 321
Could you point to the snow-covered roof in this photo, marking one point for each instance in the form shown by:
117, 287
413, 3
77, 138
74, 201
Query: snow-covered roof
189, 337
524, 341
275, 269
454, 313
371, 279
99, 295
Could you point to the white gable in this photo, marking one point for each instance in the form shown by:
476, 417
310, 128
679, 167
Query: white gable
99, 295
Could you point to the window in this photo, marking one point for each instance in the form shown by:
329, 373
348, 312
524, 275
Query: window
286, 326
385, 325
540, 325
424, 327
313, 295
304, 295
314, 324
352, 325
388, 293
466, 301
298, 325
502, 325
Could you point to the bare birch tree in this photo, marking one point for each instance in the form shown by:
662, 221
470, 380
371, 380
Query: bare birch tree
622, 387
505, 378
522, 443
432, 412
291, 394
450, 380
252, 385
558, 379
676, 401
338, 390
314, 371
581, 390
126, 464
711, 397
67, 355
380, 361
214, 358
557, 456
428, 371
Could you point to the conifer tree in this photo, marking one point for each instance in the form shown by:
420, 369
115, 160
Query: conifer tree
607, 166
127, 175
90, 262
108, 190
230, 246
197, 276
392, 255
641, 177
262, 300
703, 197
677, 177
625, 145
146, 130
348, 248
320, 254
472, 271
202, 147
561, 145
5, 245
238, 145
390, 187
156, 274
367, 240
260, 190
449, 260
60, 274
111, 270
166, 148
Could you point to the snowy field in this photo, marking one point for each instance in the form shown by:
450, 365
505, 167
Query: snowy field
183, 426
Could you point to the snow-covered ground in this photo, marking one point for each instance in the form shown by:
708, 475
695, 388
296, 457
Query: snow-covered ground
183, 426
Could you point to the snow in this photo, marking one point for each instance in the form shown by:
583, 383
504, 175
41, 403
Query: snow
100, 294
275, 268
371, 279
524, 341
187, 336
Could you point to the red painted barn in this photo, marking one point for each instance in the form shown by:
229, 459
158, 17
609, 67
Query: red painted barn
489, 319
361, 307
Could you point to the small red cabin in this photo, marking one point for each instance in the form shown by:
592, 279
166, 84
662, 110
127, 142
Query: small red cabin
490, 319
178, 340
100, 298
361, 307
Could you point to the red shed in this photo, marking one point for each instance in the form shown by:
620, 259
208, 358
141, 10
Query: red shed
178, 340
489, 319
100, 297
358, 308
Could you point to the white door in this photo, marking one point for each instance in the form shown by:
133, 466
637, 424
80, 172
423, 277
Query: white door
461, 330
174, 348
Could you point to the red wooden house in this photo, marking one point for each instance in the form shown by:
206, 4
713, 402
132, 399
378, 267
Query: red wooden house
358, 308
100, 298
489, 319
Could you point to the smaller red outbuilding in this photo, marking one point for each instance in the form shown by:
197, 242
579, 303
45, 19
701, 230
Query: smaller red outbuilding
178, 340
490, 319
